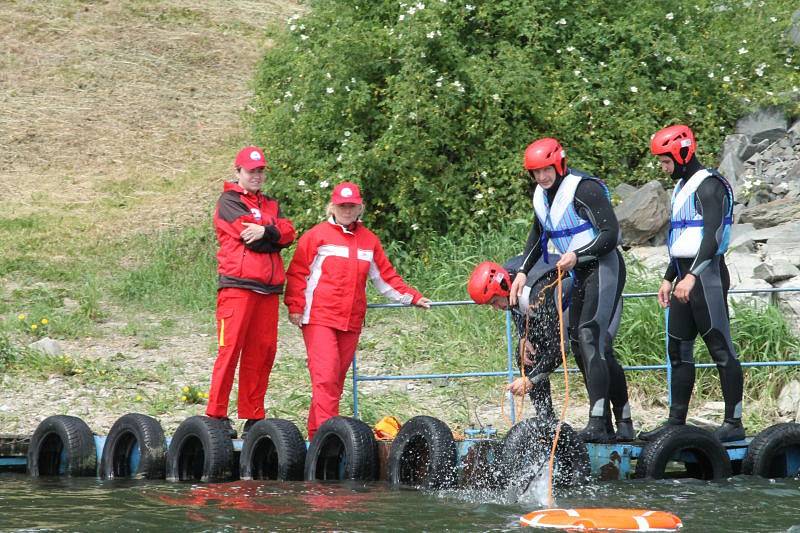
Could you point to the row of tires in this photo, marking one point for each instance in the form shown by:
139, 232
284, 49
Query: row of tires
423, 454
202, 450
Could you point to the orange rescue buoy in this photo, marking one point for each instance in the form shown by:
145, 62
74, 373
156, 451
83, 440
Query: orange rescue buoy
603, 520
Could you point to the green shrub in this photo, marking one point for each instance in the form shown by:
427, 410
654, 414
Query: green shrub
430, 105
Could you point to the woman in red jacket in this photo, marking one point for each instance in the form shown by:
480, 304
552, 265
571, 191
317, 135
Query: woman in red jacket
326, 295
251, 233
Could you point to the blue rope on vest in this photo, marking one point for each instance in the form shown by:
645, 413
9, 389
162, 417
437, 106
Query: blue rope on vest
557, 234
676, 224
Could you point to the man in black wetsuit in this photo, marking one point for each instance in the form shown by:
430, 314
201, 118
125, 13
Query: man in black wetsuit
574, 211
536, 322
700, 221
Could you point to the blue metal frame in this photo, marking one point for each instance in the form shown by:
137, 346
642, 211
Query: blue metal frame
510, 371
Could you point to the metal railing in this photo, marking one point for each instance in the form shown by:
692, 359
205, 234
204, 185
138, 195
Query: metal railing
510, 372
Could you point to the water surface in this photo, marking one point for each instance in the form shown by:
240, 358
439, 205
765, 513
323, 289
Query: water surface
740, 504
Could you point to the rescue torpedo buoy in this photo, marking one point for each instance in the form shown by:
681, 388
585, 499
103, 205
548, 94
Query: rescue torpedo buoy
603, 520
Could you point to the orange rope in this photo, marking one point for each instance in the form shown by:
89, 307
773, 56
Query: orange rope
566, 390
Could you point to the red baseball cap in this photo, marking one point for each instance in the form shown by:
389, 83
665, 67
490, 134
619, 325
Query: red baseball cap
250, 157
346, 193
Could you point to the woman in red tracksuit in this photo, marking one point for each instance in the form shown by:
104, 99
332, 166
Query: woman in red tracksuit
251, 233
326, 295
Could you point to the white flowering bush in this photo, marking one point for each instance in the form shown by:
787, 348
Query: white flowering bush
430, 105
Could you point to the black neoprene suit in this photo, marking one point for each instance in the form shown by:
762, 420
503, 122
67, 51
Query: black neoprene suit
542, 331
706, 312
599, 278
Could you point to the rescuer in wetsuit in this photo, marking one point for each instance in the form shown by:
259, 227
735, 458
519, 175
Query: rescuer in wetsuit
700, 220
573, 210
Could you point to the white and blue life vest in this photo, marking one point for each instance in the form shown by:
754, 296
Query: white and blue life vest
561, 222
686, 223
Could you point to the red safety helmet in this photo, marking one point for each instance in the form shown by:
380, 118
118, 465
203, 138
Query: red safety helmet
672, 140
546, 152
487, 280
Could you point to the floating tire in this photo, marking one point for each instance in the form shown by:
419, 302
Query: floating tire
135, 448
62, 446
273, 449
775, 452
479, 466
702, 455
342, 448
526, 453
423, 454
201, 450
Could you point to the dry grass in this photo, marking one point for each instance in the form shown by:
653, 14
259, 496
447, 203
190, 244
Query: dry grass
108, 109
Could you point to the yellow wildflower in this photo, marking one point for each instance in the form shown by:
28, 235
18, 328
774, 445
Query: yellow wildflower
34, 327
184, 398
185, 388
45, 321
138, 398
21, 316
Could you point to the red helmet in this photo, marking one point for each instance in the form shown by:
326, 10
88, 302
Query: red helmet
487, 280
672, 140
546, 152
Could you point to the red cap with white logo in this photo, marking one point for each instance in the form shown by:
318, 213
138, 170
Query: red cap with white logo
346, 193
250, 157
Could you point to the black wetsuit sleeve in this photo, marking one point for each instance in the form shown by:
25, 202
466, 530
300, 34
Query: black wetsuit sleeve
711, 199
671, 272
533, 249
592, 204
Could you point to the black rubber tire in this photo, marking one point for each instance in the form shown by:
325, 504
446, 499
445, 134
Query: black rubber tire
527, 447
423, 454
342, 448
713, 461
273, 449
62, 445
766, 455
201, 450
479, 466
128, 432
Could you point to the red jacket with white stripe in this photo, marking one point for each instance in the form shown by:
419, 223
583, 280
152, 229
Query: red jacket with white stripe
327, 278
257, 265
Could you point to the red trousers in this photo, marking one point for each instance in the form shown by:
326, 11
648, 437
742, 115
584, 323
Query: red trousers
247, 328
330, 353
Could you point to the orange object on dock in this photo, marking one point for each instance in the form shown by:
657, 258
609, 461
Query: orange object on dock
603, 520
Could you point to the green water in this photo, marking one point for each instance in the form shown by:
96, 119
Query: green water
59, 504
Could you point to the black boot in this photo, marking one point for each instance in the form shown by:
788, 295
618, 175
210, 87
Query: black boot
247, 425
595, 430
653, 433
625, 431
228, 425
730, 430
